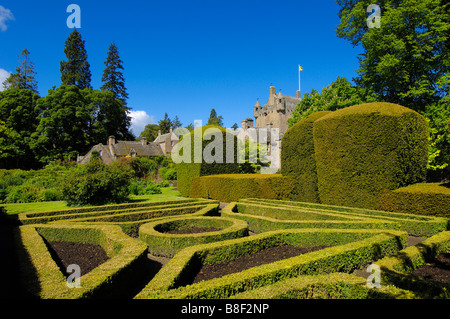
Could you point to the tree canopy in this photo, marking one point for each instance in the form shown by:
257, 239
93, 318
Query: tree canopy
25, 75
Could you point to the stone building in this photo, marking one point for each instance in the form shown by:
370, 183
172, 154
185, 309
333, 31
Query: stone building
115, 149
270, 123
276, 111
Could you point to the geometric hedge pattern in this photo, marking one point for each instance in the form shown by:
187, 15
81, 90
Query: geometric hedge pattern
354, 238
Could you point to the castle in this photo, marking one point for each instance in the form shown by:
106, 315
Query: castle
274, 114
277, 110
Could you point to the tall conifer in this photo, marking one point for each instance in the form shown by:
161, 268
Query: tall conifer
76, 70
113, 79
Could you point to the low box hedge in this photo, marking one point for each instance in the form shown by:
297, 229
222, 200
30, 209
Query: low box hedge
232, 187
163, 244
131, 228
397, 269
350, 250
48, 216
329, 286
431, 199
41, 276
365, 149
263, 214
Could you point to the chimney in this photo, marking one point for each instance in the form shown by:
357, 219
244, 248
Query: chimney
298, 94
170, 130
144, 141
111, 140
159, 132
271, 90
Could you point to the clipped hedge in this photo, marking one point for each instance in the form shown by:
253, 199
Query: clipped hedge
352, 249
397, 269
264, 215
298, 158
431, 199
131, 227
232, 187
329, 286
114, 215
41, 276
164, 244
192, 148
33, 217
365, 149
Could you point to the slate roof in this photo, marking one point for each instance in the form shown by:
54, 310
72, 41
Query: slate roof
124, 148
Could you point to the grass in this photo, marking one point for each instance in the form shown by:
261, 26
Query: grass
168, 193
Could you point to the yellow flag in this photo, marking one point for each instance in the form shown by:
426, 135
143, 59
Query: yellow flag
300, 68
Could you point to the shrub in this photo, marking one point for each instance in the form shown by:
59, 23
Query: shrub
144, 187
423, 198
96, 183
192, 163
168, 173
365, 149
298, 158
232, 187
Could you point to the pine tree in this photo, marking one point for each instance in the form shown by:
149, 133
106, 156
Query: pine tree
75, 71
24, 78
113, 79
214, 119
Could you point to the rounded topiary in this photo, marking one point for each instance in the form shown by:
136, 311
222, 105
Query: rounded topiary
365, 149
199, 154
298, 158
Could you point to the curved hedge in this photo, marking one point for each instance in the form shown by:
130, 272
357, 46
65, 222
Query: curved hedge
200, 141
431, 199
365, 149
232, 187
165, 244
41, 276
350, 249
397, 269
298, 158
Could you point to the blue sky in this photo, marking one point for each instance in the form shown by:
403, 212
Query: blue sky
185, 57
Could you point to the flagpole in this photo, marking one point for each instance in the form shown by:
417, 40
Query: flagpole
299, 80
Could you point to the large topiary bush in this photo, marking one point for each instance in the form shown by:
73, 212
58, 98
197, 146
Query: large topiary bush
298, 158
365, 149
199, 154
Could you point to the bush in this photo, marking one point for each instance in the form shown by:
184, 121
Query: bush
168, 173
190, 159
362, 150
144, 187
298, 158
96, 184
431, 199
232, 187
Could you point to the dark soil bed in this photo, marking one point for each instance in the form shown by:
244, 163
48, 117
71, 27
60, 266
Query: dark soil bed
192, 230
87, 256
437, 271
265, 256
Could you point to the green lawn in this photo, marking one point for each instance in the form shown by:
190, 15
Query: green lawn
168, 193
